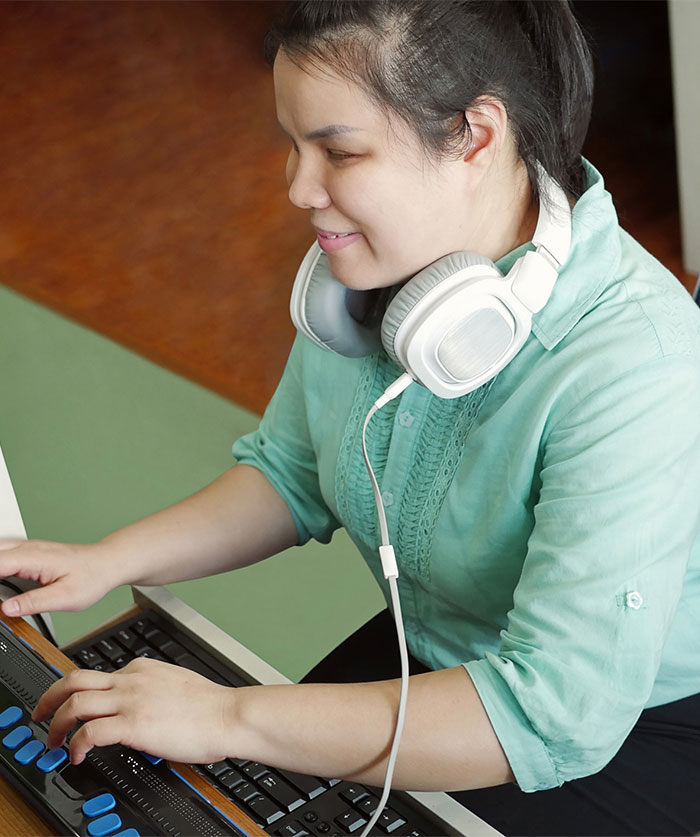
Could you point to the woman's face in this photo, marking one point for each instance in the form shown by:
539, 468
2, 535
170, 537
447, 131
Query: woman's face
381, 208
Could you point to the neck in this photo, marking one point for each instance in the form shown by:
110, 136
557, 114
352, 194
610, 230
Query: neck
508, 211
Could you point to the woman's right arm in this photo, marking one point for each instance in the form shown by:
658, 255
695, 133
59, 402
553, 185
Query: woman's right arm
233, 522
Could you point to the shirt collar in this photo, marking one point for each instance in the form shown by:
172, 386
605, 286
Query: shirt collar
593, 259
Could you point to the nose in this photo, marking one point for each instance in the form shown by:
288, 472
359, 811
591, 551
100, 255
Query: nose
306, 189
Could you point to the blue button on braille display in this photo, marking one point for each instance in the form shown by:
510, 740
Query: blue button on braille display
51, 760
104, 825
128, 832
10, 716
16, 737
29, 752
99, 805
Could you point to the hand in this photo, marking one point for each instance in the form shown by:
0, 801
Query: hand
155, 707
73, 576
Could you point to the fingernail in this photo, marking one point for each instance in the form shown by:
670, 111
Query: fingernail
10, 608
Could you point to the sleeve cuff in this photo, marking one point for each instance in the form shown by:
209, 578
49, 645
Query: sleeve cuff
524, 749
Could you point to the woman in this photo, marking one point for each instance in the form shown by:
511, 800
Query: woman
545, 522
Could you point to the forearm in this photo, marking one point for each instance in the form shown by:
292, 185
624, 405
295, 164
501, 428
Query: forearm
346, 730
236, 520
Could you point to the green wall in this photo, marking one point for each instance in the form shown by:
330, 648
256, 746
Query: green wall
95, 437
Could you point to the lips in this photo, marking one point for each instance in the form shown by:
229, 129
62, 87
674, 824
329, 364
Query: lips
330, 241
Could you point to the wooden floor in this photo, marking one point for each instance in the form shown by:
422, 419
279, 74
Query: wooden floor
141, 169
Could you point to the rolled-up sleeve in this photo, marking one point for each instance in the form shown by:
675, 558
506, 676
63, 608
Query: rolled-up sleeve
281, 448
615, 521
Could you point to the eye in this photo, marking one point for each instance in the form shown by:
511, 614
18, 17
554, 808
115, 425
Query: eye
339, 156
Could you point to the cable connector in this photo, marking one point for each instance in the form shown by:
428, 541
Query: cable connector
393, 390
389, 566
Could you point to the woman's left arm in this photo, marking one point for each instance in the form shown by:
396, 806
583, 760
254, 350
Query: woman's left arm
334, 730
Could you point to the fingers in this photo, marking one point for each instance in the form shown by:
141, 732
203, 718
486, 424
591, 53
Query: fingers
81, 696
98, 733
26, 604
63, 689
38, 600
86, 707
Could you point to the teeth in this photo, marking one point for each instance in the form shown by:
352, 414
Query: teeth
338, 235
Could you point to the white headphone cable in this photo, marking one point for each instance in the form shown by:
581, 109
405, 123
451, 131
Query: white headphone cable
391, 573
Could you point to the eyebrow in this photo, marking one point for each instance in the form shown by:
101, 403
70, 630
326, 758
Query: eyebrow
326, 131
329, 131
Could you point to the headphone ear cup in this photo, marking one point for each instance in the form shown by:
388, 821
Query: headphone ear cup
414, 292
319, 310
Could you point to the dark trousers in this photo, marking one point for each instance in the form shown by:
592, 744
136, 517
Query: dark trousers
651, 787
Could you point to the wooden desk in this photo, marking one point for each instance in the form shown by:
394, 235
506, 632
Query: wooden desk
18, 818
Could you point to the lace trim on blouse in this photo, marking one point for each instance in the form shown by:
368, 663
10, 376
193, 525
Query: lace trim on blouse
438, 450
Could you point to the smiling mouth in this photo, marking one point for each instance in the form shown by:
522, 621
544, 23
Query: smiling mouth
323, 234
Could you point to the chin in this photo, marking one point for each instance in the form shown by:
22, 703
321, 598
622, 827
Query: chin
365, 280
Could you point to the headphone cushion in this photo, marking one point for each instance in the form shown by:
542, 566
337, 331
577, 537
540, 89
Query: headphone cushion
326, 319
415, 290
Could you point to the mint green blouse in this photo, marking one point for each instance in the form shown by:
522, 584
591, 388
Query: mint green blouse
546, 525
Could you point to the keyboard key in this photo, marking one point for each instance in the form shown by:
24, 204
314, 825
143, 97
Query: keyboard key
367, 805
193, 664
10, 716
174, 651
159, 640
151, 654
108, 649
51, 760
244, 792
27, 753
99, 805
104, 825
292, 829
87, 658
254, 770
231, 779
282, 793
350, 821
389, 821
128, 832
144, 627
126, 639
352, 793
265, 809
17, 737
308, 785
216, 768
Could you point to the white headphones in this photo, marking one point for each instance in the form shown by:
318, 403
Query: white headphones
457, 323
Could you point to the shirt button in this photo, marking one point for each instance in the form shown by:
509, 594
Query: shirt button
387, 498
406, 418
634, 600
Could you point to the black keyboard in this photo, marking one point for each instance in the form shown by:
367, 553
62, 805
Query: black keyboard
283, 803
115, 791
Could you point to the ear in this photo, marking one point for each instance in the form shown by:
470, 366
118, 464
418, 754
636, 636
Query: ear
488, 121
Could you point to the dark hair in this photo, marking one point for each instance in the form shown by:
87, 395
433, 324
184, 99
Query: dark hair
430, 60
